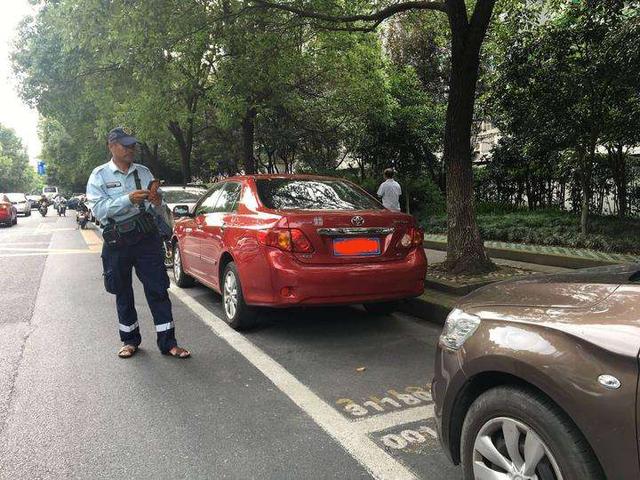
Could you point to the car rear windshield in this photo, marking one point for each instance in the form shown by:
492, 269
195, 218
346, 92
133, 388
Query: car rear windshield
50, 189
188, 195
312, 194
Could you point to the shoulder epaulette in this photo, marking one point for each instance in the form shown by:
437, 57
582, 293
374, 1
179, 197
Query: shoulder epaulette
98, 168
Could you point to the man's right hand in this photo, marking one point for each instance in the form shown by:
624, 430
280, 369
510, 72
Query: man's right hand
138, 196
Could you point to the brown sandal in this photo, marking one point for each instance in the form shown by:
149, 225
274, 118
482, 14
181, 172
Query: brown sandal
178, 352
127, 351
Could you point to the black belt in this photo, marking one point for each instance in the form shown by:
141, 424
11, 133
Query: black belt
129, 231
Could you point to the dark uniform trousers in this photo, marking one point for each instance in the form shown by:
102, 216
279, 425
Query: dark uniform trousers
147, 258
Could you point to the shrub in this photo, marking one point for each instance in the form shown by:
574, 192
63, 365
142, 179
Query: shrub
549, 227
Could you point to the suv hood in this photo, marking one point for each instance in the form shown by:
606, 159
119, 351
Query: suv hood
580, 289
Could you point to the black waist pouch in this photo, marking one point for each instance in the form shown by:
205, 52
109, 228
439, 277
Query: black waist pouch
130, 231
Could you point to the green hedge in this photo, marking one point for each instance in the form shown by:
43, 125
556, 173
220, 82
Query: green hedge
551, 227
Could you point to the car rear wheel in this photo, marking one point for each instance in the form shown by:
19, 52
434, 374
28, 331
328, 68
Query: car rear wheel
381, 308
182, 279
513, 433
237, 313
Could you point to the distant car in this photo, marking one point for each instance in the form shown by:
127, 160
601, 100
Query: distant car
537, 378
8, 212
73, 201
285, 241
50, 192
34, 201
22, 204
181, 195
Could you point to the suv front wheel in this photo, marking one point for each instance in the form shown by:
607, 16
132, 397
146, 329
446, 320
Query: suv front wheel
511, 432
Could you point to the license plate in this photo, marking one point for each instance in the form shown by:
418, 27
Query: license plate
359, 247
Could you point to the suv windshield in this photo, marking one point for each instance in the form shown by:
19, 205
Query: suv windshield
187, 195
313, 194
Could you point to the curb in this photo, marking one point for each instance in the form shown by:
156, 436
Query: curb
549, 259
432, 306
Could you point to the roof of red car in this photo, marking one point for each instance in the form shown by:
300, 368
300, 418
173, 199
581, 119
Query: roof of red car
265, 176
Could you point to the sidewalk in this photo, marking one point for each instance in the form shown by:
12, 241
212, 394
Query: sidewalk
541, 255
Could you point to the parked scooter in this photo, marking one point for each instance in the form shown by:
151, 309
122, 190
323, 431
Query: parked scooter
82, 218
62, 209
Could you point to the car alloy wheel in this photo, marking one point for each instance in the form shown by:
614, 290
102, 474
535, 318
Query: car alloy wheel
507, 449
230, 295
182, 279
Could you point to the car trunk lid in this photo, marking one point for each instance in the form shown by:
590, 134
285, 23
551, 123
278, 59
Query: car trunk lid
351, 236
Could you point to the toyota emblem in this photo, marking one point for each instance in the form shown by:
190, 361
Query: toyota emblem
357, 221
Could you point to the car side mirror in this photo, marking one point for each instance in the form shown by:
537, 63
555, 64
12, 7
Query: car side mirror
180, 211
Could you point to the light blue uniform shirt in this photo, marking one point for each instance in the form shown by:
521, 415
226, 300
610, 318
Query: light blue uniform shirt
108, 191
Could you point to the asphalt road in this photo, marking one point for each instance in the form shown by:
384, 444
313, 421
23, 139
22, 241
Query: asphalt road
308, 394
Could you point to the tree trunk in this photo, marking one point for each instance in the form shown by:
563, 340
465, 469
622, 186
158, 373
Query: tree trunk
248, 137
184, 147
150, 158
585, 184
618, 164
465, 247
406, 198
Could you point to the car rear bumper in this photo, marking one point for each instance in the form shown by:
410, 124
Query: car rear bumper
5, 216
294, 283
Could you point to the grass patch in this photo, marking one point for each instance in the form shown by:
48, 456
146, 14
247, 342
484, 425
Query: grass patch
551, 228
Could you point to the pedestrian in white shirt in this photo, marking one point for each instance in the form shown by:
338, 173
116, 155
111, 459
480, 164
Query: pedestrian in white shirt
390, 191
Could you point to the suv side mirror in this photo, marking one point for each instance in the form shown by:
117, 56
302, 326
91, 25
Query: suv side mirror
180, 211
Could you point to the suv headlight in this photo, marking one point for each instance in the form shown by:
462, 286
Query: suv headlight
458, 328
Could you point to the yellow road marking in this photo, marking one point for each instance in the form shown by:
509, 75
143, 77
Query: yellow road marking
35, 250
92, 239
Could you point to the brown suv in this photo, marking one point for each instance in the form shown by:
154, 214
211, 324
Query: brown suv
537, 379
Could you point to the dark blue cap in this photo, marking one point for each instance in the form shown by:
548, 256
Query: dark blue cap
122, 136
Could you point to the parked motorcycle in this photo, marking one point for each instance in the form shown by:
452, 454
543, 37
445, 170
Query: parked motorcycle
43, 209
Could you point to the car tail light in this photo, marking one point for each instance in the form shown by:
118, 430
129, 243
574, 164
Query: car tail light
413, 238
4, 206
287, 239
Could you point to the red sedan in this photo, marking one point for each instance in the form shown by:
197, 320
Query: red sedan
282, 241
8, 212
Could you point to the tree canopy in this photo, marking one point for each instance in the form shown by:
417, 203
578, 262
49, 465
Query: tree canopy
16, 174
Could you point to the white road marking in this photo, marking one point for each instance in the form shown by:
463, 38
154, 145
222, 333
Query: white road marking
352, 438
34, 250
23, 243
351, 435
392, 419
51, 252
